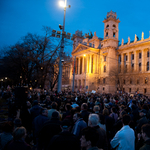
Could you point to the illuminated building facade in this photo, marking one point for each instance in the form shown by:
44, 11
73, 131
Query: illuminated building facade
105, 66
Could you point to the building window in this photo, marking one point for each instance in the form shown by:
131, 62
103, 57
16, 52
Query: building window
132, 67
101, 45
114, 34
147, 53
123, 89
147, 66
93, 45
138, 81
124, 81
106, 34
132, 56
126, 57
103, 88
105, 68
118, 82
114, 25
146, 80
129, 89
139, 55
90, 44
104, 80
119, 69
125, 68
139, 66
107, 26
145, 90
119, 58
104, 58
130, 81
99, 81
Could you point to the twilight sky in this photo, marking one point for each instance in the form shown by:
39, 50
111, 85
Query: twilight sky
19, 17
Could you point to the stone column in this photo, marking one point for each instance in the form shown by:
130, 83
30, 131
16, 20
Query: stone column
94, 63
143, 61
90, 63
78, 65
129, 62
83, 65
87, 63
122, 63
135, 61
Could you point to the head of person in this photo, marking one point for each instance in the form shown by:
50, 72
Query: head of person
19, 133
44, 112
55, 115
54, 105
145, 130
48, 98
76, 116
93, 120
89, 137
96, 108
68, 106
142, 112
84, 106
17, 122
123, 112
66, 125
28, 104
126, 119
113, 110
105, 112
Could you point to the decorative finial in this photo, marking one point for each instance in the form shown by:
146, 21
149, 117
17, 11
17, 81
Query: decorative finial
135, 39
142, 36
128, 40
122, 43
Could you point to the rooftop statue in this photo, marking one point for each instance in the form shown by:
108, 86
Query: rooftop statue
128, 40
122, 43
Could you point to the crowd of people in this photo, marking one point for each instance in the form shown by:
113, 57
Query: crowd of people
68, 120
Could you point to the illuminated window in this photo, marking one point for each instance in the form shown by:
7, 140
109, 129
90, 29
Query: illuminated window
146, 80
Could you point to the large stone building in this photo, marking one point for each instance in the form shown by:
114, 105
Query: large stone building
105, 66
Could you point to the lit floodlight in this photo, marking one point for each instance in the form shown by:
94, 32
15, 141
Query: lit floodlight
84, 55
62, 4
6, 78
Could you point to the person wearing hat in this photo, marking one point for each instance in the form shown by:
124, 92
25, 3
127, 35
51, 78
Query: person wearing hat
143, 120
65, 139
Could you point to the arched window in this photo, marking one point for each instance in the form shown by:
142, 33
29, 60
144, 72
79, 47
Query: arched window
107, 26
106, 34
114, 25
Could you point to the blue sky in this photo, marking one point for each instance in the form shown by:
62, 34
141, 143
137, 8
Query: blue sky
19, 17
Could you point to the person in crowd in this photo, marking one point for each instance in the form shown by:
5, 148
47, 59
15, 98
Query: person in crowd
65, 139
35, 110
47, 102
114, 114
96, 109
141, 121
38, 122
18, 142
79, 124
6, 136
74, 104
67, 112
145, 133
84, 112
53, 109
50, 128
102, 140
89, 138
102, 121
124, 139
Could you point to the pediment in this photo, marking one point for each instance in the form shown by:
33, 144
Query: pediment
80, 48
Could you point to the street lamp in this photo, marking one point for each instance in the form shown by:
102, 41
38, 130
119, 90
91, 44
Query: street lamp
64, 5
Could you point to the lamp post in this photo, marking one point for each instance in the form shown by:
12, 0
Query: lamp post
63, 4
